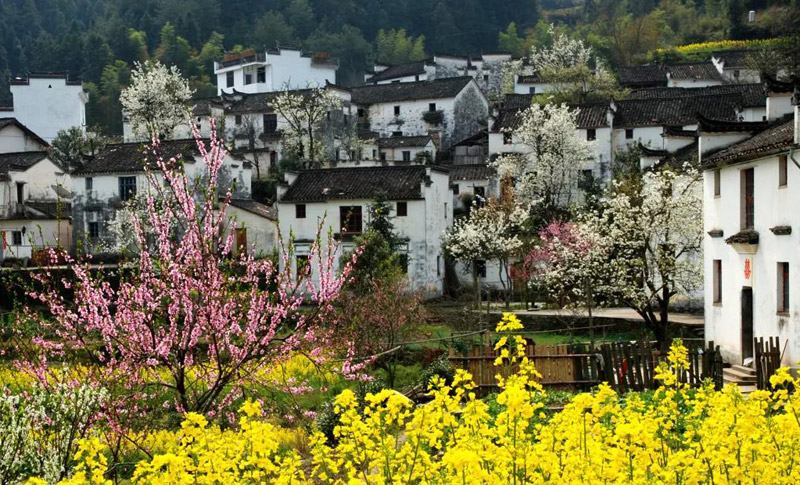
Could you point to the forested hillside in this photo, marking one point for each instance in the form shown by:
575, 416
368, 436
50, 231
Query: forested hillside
100, 39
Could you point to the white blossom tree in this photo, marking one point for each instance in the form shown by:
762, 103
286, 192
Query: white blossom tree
652, 235
547, 174
566, 66
156, 100
489, 233
304, 112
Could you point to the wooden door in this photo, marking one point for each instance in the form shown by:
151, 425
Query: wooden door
747, 323
241, 239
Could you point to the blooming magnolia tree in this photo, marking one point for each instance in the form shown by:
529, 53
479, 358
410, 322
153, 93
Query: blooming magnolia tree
547, 174
653, 237
304, 112
489, 233
156, 100
191, 323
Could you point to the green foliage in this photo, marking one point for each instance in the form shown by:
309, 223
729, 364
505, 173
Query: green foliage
440, 367
396, 47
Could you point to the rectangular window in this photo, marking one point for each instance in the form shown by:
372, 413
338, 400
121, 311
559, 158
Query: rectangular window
748, 199
261, 75
374, 153
94, 230
300, 211
591, 134
238, 120
629, 134
397, 133
16, 238
248, 78
402, 209
397, 110
532, 90
270, 123
431, 107
20, 192
587, 180
717, 187
486, 78
273, 160
406, 156
383, 156
717, 281
783, 287
350, 219
229, 79
127, 187
89, 183
361, 112
480, 268
479, 192
783, 171
507, 138
455, 189
301, 262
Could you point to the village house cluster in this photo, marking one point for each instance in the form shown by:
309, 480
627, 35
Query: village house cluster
422, 135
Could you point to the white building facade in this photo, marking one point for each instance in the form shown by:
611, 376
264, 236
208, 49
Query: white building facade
274, 70
313, 202
751, 262
47, 103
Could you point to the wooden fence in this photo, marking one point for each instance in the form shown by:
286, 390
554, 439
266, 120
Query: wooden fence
767, 360
625, 366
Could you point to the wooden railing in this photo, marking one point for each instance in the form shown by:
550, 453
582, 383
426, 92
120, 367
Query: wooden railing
624, 366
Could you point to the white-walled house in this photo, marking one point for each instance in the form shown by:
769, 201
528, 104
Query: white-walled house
16, 137
692, 75
34, 204
779, 97
750, 98
448, 109
406, 148
113, 176
421, 210
255, 226
486, 69
47, 103
751, 261
274, 70
732, 64
531, 84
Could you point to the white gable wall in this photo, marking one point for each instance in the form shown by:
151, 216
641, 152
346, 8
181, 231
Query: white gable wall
47, 105
14, 139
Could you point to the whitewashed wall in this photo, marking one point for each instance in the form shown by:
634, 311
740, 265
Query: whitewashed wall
47, 105
13, 139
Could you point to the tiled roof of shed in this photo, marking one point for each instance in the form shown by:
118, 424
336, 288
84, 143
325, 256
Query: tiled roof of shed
471, 172
130, 157
19, 161
778, 137
395, 182
387, 93
403, 141
257, 208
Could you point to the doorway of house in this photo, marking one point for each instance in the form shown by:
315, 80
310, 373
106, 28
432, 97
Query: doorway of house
747, 323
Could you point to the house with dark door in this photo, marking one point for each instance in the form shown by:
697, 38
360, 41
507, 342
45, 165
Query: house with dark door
751, 258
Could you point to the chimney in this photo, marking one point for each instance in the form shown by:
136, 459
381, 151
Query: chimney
751, 16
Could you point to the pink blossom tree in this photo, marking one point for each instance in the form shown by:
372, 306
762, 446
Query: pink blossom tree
190, 325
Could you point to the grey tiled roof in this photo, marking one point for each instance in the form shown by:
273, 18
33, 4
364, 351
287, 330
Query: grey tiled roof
778, 137
387, 93
752, 95
19, 161
398, 71
632, 76
256, 208
130, 157
589, 116
675, 111
396, 183
403, 141
470, 172
693, 70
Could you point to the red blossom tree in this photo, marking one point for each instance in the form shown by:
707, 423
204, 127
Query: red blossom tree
190, 325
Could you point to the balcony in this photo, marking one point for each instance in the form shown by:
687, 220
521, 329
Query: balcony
247, 57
